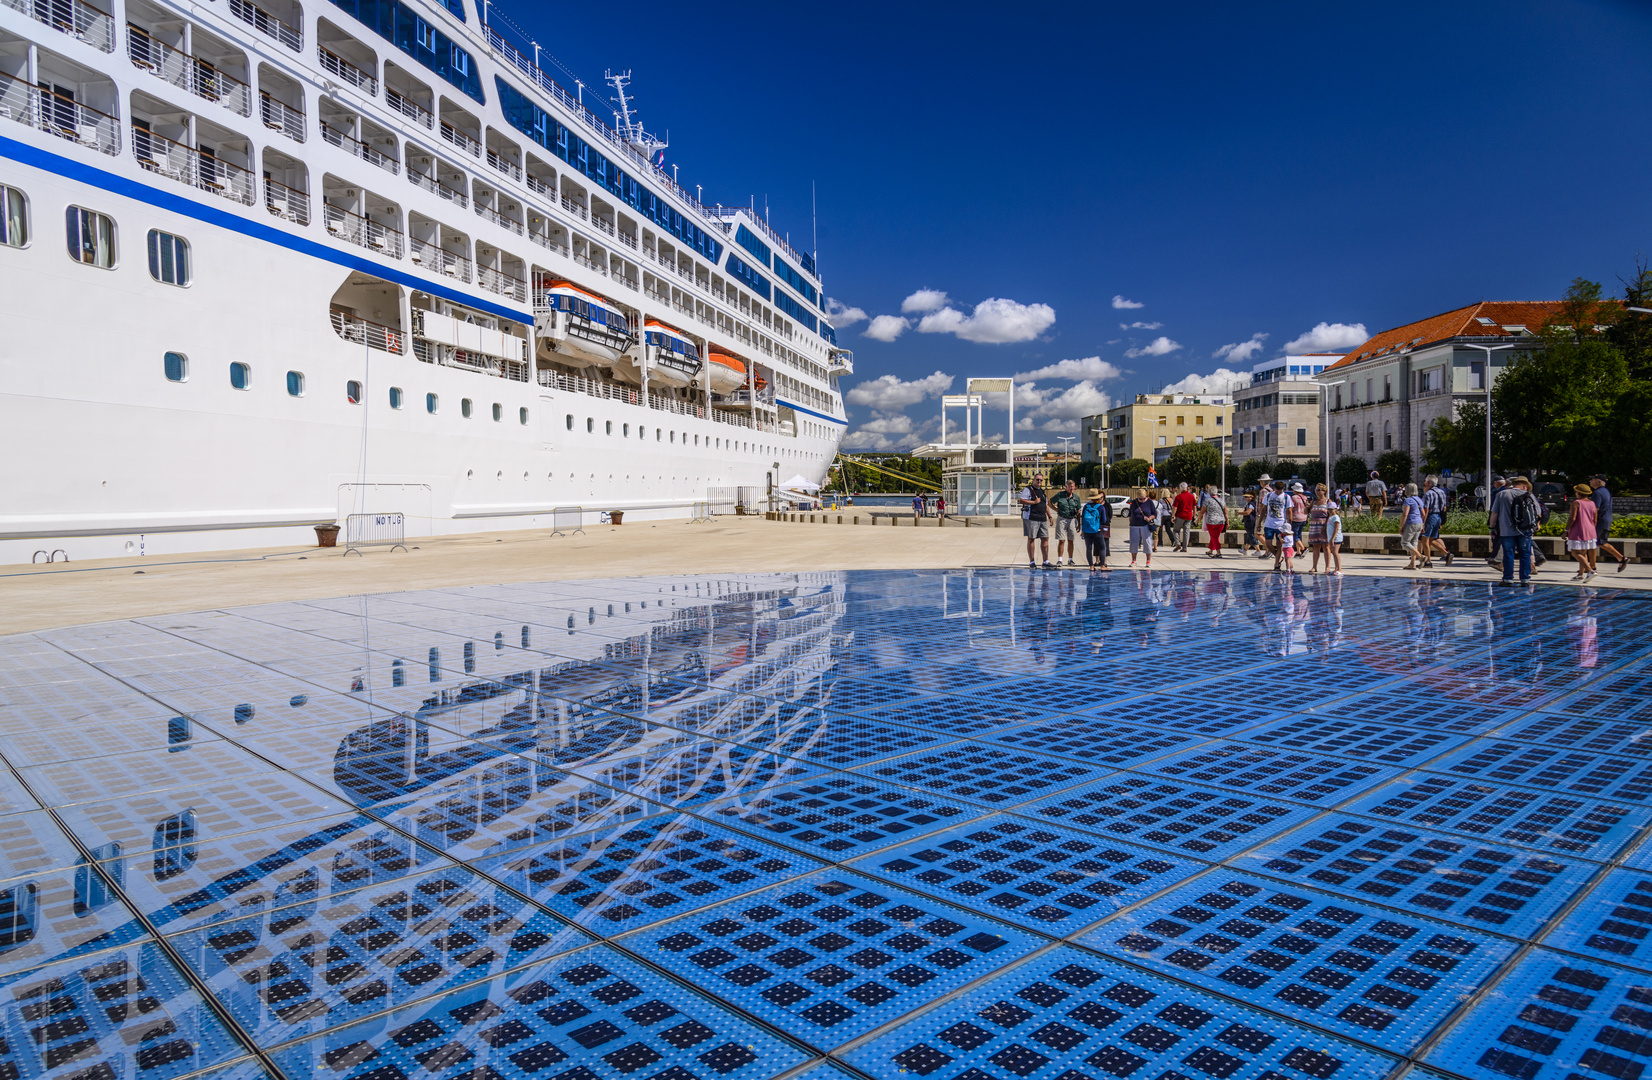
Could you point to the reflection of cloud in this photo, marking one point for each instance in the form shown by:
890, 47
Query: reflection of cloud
889, 394
1090, 367
993, 322
1140, 325
885, 328
1240, 352
1328, 337
924, 300
1220, 381
842, 314
1159, 346
1121, 304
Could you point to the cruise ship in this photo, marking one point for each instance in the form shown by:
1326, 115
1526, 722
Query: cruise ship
267, 265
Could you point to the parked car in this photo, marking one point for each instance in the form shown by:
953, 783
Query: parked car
1553, 496
1120, 504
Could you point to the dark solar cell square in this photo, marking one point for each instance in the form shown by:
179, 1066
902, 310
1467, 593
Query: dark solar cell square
1608, 776
1097, 742
839, 816
1378, 742
982, 773
1272, 772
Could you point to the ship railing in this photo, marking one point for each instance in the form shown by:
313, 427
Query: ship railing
631, 282
603, 224
76, 18
686, 309
361, 231
504, 284
58, 115
286, 202
409, 108
352, 145
267, 24
549, 244
350, 73
436, 259
187, 72
539, 186
430, 183
359, 330
279, 116
727, 213
573, 207
499, 219
675, 405
189, 166
628, 240
685, 272
578, 384
655, 295
461, 140
481, 363
590, 264
504, 164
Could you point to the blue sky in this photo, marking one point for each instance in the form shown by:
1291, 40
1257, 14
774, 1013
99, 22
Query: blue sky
1244, 173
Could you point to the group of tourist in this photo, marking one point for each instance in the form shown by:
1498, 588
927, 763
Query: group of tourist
1517, 514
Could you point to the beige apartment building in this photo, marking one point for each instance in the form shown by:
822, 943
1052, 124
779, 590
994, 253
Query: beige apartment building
1154, 424
1277, 416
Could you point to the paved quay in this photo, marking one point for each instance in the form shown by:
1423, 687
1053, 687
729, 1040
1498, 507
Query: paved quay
41, 597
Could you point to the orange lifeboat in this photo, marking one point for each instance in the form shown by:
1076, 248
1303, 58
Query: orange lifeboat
728, 373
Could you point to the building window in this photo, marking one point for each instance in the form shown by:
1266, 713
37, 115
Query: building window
1267, 437
1180, 439
240, 375
1161, 440
14, 218
1370, 437
1199, 421
498, 412
1218, 421
91, 237
1477, 375
464, 407
1302, 436
177, 367
431, 403
168, 258
522, 415
295, 384
1339, 441
1387, 387
1388, 434
395, 397
1180, 420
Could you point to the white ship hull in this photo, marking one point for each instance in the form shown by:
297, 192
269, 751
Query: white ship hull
102, 455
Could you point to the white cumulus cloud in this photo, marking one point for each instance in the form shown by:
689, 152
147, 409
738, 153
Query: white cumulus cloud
924, 300
1241, 352
842, 314
1140, 325
885, 328
890, 394
1058, 411
1221, 381
993, 322
1159, 346
1090, 367
1328, 337
1121, 304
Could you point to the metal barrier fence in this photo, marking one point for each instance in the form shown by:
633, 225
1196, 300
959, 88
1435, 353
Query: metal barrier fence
723, 500
699, 513
375, 530
567, 520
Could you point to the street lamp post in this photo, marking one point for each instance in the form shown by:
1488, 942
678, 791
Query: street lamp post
1065, 439
1488, 350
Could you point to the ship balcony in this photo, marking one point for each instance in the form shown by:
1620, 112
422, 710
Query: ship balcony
547, 234
440, 250
57, 114
282, 25
374, 235
408, 96
196, 74
459, 128
334, 64
435, 175
286, 202
279, 116
76, 18
408, 108
539, 186
501, 273
374, 145
345, 58
354, 328
503, 155
499, 208
187, 165
842, 362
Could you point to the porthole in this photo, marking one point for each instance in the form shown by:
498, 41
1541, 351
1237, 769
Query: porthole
626, 431
352, 392
295, 384
395, 397
498, 412
177, 367
522, 415
464, 408
607, 427
590, 425
431, 403
240, 375
570, 421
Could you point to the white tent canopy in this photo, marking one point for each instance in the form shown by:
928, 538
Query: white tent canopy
798, 483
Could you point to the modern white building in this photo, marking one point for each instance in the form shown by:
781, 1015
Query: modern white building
1276, 417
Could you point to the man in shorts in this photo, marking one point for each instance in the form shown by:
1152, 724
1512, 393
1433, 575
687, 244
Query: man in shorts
1035, 519
1434, 512
1067, 506
1376, 493
1602, 498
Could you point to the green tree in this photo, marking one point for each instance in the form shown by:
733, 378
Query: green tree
1131, 472
1186, 461
1458, 445
1554, 408
1312, 471
1253, 470
1395, 467
1350, 470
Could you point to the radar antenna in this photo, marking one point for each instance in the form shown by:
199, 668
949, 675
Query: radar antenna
631, 130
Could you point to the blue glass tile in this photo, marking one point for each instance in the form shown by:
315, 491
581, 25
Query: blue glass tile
839, 816
1573, 824
1207, 823
993, 776
1624, 694
830, 957
591, 1013
690, 772
1551, 1017
1017, 869
1426, 713
14, 798
296, 971
1363, 972
1472, 883
629, 876
1382, 744
1068, 1013
972, 714
92, 779
128, 1010
1268, 771
1604, 735
1613, 922
1099, 742
833, 739
31, 843
45, 918
60, 742
1214, 716
1613, 777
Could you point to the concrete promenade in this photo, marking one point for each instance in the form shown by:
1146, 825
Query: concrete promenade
34, 598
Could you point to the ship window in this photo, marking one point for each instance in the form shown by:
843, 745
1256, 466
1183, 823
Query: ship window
607, 427
177, 367
570, 421
673, 436
295, 384
522, 415
352, 392
240, 375
168, 258
498, 411
626, 430
395, 397
590, 425
91, 237
464, 408
14, 218
431, 403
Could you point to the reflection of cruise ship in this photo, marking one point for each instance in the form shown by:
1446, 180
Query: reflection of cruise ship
258, 255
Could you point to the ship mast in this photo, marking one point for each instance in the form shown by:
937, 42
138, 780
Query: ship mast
629, 129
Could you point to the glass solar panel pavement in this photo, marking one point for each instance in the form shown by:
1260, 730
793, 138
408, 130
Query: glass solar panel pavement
424, 811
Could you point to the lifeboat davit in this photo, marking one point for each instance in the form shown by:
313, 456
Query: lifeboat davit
728, 373
580, 325
676, 360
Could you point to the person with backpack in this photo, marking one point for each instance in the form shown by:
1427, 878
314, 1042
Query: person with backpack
1096, 529
1213, 514
1516, 512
